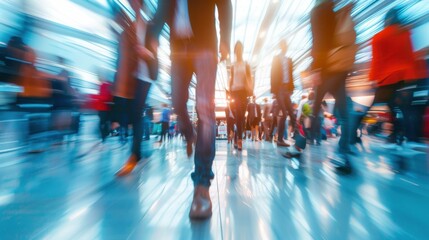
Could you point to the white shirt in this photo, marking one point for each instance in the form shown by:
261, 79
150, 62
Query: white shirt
182, 24
285, 68
143, 69
240, 77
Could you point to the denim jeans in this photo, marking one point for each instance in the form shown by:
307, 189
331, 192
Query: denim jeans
336, 85
204, 64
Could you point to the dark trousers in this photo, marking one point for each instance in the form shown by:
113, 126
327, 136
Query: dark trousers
267, 128
146, 128
142, 90
388, 94
336, 85
229, 126
184, 63
164, 130
285, 105
239, 107
122, 109
273, 125
104, 125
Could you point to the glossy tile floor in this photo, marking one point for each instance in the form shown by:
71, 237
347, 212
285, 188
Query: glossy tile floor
70, 192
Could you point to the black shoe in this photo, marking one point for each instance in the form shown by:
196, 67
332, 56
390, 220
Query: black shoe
282, 144
341, 163
292, 153
345, 168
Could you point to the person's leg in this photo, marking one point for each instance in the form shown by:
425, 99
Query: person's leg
228, 129
386, 94
139, 102
267, 129
286, 133
316, 121
121, 104
102, 117
273, 126
142, 90
205, 69
339, 93
205, 64
283, 101
181, 74
164, 130
240, 112
257, 132
146, 128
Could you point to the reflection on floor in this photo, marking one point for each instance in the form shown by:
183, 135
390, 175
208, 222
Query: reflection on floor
69, 192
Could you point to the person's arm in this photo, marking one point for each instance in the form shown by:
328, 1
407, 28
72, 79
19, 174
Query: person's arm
162, 15
250, 82
273, 76
291, 79
231, 79
224, 8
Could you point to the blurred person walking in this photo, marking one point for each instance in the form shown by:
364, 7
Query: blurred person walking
165, 122
103, 102
254, 117
193, 42
267, 120
333, 53
241, 87
124, 86
147, 122
282, 86
393, 64
277, 118
142, 58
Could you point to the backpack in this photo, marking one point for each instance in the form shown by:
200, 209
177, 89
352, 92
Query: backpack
342, 57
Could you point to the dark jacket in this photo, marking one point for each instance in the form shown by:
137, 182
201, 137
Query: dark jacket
251, 112
275, 109
203, 23
323, 30
277, 75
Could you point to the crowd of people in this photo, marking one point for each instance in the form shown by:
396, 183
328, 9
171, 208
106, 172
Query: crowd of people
195, 50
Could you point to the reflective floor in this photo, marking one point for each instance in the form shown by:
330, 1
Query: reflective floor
69, 192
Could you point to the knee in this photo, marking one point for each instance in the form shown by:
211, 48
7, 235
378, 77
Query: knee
205, 110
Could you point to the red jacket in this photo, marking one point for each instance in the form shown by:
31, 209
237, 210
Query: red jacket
393, 59
104, 97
